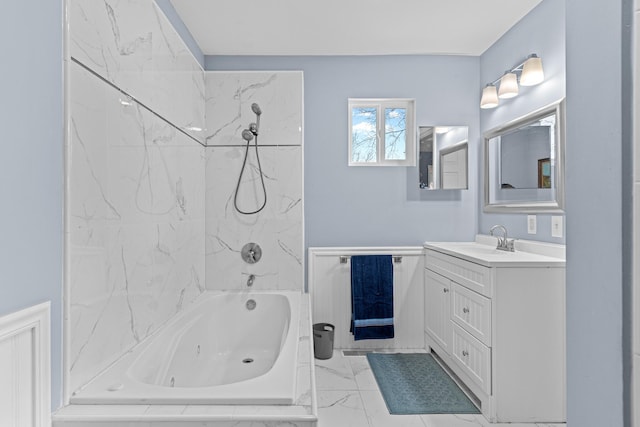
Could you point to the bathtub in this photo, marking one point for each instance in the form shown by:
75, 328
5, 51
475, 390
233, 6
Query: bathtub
228, 348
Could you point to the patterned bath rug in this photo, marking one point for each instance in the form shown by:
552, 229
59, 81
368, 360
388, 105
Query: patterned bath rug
414, 383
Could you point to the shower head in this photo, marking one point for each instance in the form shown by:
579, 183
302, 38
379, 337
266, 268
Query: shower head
247, 135
256, 109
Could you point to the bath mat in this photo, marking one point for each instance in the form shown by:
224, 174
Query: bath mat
414, 383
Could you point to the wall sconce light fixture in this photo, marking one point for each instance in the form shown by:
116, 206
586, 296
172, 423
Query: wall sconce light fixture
530, 73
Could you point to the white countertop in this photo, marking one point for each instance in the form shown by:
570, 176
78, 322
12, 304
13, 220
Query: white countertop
483, 251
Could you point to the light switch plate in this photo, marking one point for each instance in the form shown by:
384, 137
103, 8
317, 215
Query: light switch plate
556, 226
532, 224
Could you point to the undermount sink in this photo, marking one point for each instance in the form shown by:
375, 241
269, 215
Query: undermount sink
483, 251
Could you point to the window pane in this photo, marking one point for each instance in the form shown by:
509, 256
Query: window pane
395, 133
363, 134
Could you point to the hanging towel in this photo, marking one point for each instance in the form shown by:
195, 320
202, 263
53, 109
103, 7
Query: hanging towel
371, 297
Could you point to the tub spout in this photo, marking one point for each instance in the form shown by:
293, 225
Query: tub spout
251, 279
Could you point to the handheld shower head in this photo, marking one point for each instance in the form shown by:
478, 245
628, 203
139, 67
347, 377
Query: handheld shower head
247, 135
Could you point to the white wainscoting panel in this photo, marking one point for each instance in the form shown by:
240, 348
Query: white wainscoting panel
330, 289
25, 384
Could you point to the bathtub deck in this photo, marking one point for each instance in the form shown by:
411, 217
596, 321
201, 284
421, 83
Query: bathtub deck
181, 415
303, 413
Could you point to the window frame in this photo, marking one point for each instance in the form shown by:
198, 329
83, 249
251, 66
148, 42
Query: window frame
381, 104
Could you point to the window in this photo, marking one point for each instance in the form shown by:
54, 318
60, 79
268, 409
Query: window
381, 132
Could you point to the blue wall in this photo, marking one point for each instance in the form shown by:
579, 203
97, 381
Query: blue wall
597, 201
31, 164
367, 206
542, 31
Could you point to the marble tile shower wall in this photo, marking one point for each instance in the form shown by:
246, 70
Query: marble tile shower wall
134, 46
136, 224
278, 229
136, 183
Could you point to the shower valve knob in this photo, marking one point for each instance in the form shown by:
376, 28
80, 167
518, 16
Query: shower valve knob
251, 253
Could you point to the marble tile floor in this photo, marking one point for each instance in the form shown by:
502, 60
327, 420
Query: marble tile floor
348, 396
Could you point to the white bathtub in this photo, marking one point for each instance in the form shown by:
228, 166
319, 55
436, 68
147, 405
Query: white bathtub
217, 352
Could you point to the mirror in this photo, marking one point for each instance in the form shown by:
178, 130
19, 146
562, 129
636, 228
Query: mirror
443, 157
524, 163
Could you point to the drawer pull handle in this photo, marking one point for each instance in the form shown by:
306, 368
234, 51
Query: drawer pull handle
445, 290
465, 353
465, 310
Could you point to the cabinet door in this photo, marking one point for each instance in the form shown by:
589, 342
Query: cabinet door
437, 309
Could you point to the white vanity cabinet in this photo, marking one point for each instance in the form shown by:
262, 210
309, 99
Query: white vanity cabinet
498, 321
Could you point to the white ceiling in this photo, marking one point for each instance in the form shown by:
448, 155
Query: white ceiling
349, 27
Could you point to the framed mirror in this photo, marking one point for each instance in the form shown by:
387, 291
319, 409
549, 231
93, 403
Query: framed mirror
524, 163
443, 157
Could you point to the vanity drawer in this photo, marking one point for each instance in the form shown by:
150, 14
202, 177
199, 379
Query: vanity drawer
473, 276
472, 312
473, 357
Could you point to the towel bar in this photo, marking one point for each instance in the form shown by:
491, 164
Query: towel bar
345, 258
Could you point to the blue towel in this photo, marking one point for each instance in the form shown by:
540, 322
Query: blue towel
371, 297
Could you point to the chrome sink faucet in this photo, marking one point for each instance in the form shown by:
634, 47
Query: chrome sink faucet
504, 244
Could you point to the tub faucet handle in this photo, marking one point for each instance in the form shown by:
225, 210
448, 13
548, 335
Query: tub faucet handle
251, 253
251, 279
